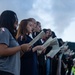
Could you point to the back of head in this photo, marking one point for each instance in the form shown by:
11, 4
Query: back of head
45, 30
7, 20
60, 41
53, 34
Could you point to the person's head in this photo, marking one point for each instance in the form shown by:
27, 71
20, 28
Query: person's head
47, 34
53, 34
9, 20
38, 26
60, 41
25, 27
34, 23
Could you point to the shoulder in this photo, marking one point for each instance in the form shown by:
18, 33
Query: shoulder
4, 36
3, 30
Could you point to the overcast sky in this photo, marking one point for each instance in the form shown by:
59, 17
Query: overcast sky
58, 15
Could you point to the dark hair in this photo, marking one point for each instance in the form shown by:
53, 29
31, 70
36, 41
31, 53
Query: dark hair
7, 20
38, 22
53, 34
60, 41
45, 30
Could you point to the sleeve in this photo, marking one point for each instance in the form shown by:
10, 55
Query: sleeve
4, 36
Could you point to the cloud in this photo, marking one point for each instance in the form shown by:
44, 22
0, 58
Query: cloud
21, 7
42, 11
38, 9
63, 12
69, 32
54, 14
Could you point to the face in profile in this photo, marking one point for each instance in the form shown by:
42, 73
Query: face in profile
38, 28
48, 33
29, 27
34, 24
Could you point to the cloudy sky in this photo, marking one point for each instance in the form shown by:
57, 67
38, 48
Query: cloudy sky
58, 15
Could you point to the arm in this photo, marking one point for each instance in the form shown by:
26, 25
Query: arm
39, 47
6, 51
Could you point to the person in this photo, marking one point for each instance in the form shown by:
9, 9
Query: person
28, 59
33, 34
41, 57
9, 47
38, 27
69, 63
61, 64
49, 61
73, 68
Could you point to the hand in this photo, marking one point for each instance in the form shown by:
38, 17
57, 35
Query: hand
44, 51
41, 51
40, 47
25, 47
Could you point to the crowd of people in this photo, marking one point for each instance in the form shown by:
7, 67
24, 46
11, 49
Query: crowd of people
18, 57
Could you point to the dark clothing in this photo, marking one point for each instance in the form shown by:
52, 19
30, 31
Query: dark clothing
5, 73
41, 60
69, 63
28, 60
63, 70
54, 63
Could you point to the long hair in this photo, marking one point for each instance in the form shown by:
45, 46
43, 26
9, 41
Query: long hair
7, 20
22, 29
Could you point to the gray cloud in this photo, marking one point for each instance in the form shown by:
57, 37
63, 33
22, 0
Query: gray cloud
42, 11
21, 7
63, 12
54, 14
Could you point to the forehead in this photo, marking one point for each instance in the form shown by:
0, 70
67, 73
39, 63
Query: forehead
39, 25
34, 21
30, 22
47, 31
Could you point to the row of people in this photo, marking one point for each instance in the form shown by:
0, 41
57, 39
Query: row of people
10, 48
15, 47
